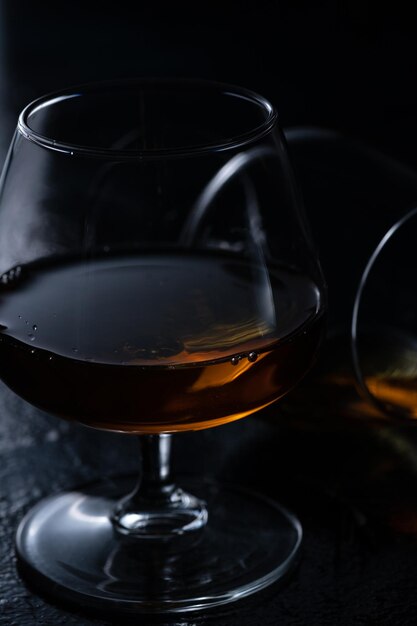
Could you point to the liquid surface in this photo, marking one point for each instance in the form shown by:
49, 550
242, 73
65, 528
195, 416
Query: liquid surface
155, 343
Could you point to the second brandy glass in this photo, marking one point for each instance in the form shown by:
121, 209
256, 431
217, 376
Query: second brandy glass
157, 275
384, 323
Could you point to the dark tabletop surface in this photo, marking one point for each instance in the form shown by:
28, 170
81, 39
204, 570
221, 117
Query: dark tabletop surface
349, 473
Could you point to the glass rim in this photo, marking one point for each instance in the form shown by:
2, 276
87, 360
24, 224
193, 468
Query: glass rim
236, 141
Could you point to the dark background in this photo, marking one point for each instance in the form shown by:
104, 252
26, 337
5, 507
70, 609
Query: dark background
343, 65
343, 76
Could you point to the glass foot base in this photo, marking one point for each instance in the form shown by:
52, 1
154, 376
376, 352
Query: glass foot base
67, 546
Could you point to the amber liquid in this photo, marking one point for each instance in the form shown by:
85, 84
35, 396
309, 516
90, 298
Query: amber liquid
397, 394
156, 342
388, 361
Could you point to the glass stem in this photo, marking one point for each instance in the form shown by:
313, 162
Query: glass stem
155, 482
158, 509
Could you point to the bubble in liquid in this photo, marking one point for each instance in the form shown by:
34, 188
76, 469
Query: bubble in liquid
252, 356
34, 327
235, 360
11, 275
31, 336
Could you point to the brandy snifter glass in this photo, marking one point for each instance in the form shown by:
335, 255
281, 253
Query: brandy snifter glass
157, 275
